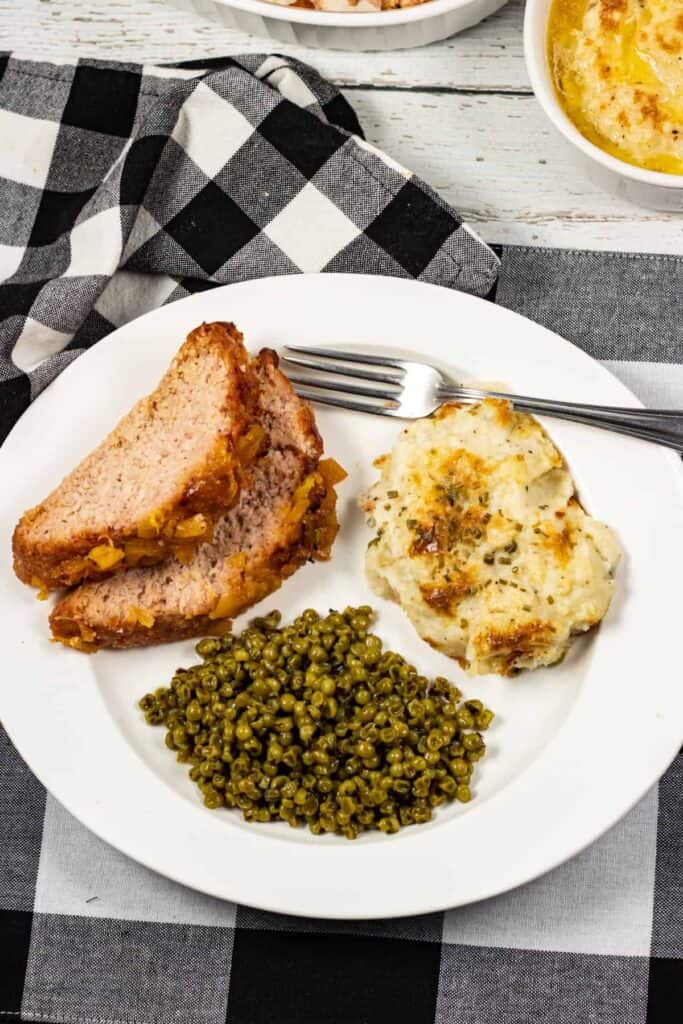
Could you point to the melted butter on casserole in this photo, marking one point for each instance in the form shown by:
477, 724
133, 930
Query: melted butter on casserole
482, 541
618, 71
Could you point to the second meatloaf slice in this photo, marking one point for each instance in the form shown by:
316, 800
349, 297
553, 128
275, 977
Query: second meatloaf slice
284, 516
156, 484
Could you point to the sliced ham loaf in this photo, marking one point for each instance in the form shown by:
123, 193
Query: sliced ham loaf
158, 482
284, 516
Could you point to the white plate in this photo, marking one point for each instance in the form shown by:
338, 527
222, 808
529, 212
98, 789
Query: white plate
571, 749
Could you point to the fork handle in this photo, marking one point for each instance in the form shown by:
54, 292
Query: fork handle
662, 426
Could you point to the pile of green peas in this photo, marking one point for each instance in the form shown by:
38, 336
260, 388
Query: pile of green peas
316, 724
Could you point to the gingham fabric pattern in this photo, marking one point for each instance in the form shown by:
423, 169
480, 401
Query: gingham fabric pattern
89, 937
111, 173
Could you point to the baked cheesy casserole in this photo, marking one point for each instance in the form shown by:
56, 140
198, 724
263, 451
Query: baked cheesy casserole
618, 71
482, 540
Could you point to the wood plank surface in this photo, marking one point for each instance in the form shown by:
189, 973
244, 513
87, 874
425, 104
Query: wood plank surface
488, 56
459, 113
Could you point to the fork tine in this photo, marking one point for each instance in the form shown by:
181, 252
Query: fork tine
332, 384
345, 371
347, 357
343, 403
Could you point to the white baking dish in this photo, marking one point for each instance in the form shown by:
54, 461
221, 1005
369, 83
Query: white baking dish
651, 189
379, 30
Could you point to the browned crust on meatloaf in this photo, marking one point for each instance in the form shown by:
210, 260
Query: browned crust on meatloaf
54, 546
284, 516
287, 420
71, 625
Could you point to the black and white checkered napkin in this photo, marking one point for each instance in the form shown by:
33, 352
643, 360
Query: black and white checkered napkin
124, 187
89, 937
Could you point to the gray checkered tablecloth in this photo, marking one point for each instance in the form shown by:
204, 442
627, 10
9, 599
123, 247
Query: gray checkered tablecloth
89, 937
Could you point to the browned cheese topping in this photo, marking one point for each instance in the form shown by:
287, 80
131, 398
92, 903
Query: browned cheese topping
480, 538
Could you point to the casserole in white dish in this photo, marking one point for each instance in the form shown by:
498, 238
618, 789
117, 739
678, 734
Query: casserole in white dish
363, 29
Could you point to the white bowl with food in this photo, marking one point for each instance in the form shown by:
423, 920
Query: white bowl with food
609, 78
345, 24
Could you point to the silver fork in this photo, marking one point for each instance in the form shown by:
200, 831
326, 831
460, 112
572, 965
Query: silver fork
410, 389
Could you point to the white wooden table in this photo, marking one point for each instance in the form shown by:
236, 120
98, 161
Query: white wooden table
459, 113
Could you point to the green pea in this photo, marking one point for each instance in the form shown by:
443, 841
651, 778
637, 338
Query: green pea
464, 719
306, 732
193, 711
484, 719
207, 647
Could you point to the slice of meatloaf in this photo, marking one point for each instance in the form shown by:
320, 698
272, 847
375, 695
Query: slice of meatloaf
158, 482
284, 516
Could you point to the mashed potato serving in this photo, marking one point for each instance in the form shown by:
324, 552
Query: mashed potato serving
618, 70
481, 539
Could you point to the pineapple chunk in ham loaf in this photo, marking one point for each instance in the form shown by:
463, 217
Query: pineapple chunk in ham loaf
159, 480
284, 516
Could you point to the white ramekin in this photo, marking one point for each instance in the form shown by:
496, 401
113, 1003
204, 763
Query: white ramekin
382, 30
651, 189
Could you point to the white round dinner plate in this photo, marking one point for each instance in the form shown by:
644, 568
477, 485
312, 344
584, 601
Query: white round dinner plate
571, 749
